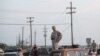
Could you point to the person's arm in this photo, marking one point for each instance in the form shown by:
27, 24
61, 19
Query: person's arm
59, 36
52, 37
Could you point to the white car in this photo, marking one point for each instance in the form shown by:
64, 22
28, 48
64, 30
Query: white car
1, 52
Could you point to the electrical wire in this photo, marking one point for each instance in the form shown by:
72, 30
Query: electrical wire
32, 24
66, 28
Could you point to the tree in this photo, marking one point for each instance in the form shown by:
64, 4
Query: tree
3, 45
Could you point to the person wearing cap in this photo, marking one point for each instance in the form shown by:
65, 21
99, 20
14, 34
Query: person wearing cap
55, 37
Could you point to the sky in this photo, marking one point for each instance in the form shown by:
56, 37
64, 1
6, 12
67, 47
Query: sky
85, 20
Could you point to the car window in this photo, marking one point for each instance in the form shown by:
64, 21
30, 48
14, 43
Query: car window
10, 55
71, 53
83, 53
56, 54
76, 53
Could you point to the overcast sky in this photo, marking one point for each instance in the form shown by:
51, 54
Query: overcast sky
86, 19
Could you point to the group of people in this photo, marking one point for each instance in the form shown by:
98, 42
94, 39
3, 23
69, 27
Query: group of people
34, 51
55, 38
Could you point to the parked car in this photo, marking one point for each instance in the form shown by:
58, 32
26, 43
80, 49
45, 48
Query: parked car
10, 54
1, 52
69, 52
41, 52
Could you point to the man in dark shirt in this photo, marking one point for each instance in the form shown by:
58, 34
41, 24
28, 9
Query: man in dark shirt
35, 50
94, 46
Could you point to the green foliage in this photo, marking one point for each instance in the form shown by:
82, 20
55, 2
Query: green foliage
2, 45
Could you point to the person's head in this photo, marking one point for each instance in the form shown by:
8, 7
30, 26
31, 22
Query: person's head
19, 49
35, 45
53, 28
93, 41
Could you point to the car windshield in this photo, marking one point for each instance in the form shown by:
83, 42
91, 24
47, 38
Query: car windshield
10, 55
57, 54
76, 53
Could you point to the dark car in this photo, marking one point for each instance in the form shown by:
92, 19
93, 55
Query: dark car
10, 54
41, 52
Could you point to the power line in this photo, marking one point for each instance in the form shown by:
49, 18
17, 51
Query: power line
34, 12
32, 24
65, 29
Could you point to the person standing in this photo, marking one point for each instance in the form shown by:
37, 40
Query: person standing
93, 48
35, 50
19, 53
55, 37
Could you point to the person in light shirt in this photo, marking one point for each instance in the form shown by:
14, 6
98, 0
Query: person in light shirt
55, 37
20, 52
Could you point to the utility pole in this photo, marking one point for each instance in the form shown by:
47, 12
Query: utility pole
22, 37
35, 37
19, 41
45, 34
26, 42
71, 13
30, 21
29, 40
16, 40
